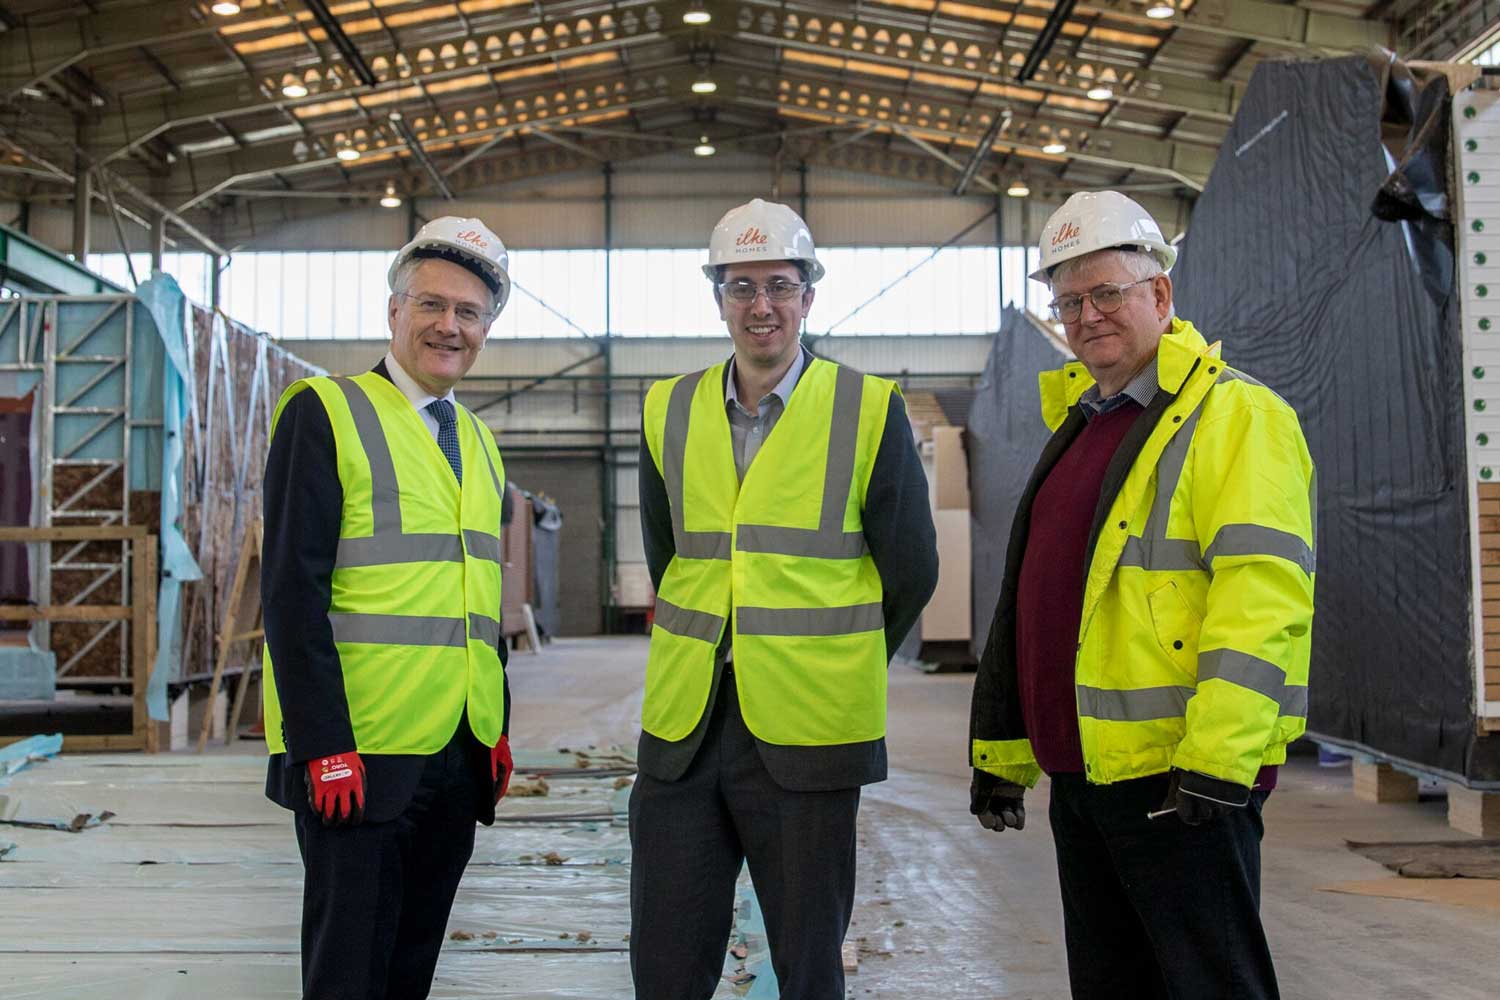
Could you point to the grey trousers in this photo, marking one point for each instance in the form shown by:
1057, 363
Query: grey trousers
688, 839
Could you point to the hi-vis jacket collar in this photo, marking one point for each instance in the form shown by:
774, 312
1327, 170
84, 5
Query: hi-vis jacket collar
1180, 349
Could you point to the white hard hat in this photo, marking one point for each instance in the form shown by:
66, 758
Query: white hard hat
761, 230
1100, 220
466, 242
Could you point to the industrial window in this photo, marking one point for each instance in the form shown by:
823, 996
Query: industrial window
342, 295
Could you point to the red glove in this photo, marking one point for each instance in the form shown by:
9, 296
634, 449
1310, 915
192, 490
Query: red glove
501, 767
336, 788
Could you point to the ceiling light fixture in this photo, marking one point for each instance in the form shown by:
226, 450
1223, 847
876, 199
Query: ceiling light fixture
1018, 189
1100, 92
292, 87
224, 8
1055, 148
1161, 10
347, 153
391, 198
704, 147
703, 85
696, 14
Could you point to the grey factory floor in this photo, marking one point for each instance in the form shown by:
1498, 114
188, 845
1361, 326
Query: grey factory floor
191, 890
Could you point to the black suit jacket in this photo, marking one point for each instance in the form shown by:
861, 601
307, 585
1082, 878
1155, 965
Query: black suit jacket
303, 506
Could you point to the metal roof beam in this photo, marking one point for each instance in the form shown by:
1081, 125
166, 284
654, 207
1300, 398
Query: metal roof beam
1283, 25
1063, 75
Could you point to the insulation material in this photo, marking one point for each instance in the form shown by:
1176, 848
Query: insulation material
1349, 318
1005, 438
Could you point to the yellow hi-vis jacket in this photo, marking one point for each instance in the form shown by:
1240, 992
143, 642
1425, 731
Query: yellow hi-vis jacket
415, 605
1197, 611
784, 552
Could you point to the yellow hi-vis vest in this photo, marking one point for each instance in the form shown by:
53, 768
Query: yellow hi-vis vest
784, 551
1196, 631
416, 584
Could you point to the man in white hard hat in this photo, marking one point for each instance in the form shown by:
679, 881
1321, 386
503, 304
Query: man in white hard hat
385, 695
788, 533
1149, 650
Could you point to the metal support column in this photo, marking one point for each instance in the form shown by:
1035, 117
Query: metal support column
215, 279
158, 240
802, 190
607, 494
83, 193
1000, 250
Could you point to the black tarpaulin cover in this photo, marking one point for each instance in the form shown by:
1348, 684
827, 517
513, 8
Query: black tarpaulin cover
1004, 438
1351, 319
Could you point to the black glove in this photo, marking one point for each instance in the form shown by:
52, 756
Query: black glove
1199, 799
997, 802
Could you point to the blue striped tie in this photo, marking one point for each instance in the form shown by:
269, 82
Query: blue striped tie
448, 434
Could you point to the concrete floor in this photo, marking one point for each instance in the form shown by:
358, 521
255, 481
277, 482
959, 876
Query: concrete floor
945, 910
948, 911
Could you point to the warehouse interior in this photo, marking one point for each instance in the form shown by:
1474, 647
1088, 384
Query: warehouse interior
199, 202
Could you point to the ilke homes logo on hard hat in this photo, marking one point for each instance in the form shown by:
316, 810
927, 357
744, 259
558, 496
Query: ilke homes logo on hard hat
1066, 236
471, 236
751, 240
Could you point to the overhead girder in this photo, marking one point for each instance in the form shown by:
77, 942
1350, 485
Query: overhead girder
966, 124
981, 59
141, 121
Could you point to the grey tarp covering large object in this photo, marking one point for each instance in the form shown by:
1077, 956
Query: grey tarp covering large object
545, 546
1343, 315
1004, 438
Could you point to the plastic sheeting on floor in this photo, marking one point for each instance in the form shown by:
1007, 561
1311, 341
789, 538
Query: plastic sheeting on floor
193, 886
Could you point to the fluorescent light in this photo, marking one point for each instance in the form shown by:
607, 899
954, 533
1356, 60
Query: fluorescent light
1018, 189
391, 199
704, 86
1100, 93
1160, 11
347, 153
1054, 147
292, 87
696, 15
704, 147
224, 8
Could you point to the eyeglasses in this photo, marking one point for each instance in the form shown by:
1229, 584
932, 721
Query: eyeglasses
744, 292
434, 306
1107, 298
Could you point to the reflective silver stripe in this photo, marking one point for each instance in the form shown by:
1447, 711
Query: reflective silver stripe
801, 542
385, 490
829, 540
1259, 540
480, 431
482, 545
398, 630
1261, 676
690, 544
1138, 705
809, 621
1161, 554
388, 550
485, 630
688, 623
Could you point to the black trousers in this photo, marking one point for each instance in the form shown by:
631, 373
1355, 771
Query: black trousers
1154, 908
688, 839
376, 896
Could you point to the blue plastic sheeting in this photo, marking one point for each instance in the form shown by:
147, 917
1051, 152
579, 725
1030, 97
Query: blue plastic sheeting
161, 295
24, 752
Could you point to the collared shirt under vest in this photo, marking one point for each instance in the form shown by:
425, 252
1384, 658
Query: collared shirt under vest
779, 559
416, 585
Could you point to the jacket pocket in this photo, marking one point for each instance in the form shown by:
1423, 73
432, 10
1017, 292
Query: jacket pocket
1177, 627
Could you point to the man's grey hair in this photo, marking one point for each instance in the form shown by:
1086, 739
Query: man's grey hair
801, 265
409, 267
1137, 263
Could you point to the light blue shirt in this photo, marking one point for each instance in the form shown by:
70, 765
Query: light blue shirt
749, 431
1142, 389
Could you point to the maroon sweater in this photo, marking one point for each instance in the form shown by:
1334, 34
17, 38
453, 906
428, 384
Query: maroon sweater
1049, 599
